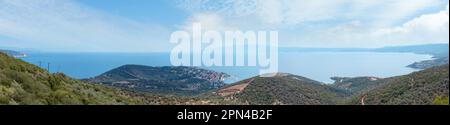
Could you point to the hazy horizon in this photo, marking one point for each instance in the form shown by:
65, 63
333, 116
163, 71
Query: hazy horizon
282, 49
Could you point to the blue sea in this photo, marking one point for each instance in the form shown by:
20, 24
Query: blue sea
318, 66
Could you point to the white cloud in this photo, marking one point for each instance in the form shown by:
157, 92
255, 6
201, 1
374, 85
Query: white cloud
300, 11
208, 21
270, 12
337, 23
424, 29
385, 13
294, 12
427, 28
446, 8
234, 8
69, 26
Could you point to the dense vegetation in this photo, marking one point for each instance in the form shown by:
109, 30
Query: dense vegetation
23, 83
440, 101
418, 88
284, 89
162, 80
425, 87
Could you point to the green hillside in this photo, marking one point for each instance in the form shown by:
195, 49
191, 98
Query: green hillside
23, 83
425, 87
283, 89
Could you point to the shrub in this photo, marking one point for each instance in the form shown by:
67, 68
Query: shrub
441, 101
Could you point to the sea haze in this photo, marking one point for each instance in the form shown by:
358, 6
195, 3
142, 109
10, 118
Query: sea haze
318, 66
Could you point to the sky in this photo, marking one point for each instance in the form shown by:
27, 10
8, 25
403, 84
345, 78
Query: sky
146, 25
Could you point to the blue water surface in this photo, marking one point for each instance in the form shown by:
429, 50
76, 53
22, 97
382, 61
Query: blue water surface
315, 65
